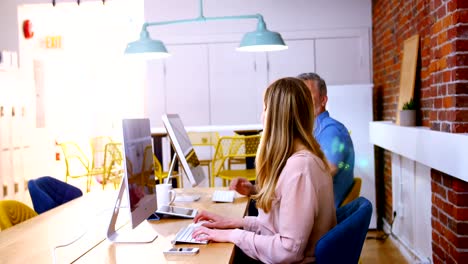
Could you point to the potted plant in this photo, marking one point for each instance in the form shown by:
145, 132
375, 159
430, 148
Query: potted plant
408, 114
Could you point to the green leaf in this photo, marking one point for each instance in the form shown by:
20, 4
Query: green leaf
409, 105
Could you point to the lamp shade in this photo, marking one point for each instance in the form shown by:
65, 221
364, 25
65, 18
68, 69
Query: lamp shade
147, 47
262, 40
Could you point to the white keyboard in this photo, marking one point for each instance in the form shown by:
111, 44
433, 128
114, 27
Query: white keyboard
185, 235
223, 196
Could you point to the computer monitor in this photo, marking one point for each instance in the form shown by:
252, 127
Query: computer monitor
180, 141
138, 168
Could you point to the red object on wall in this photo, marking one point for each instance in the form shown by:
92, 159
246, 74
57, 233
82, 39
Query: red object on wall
57, 151
27, 29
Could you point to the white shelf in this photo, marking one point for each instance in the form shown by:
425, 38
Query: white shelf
445, 152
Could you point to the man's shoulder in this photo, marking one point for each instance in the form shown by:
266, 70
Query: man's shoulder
331, 123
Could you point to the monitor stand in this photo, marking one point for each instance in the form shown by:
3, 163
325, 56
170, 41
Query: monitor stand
180, 198
171, 168
144, 233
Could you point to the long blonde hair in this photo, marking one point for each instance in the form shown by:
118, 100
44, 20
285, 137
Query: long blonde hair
289, 116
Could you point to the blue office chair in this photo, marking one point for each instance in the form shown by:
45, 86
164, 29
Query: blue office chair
343, 243
47, 193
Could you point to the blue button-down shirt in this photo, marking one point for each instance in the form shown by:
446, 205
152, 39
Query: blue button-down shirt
337, 146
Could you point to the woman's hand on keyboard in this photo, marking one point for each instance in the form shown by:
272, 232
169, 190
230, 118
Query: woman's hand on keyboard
217, 235
217, 221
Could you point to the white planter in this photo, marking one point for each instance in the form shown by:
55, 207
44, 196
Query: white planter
408, 118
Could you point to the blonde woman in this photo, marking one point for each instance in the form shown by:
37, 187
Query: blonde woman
295, 189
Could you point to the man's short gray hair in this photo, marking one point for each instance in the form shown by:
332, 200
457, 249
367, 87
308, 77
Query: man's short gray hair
315, 77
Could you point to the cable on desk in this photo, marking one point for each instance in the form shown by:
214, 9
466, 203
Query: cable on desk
54, 260
66, 245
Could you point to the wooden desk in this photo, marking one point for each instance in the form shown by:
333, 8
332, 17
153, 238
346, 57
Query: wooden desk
107, 252
33, 240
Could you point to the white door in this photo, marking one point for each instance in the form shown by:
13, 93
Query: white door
186, 84
155, 96
234, 86
297, 59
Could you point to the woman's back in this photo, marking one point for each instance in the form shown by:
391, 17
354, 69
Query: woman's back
303, 211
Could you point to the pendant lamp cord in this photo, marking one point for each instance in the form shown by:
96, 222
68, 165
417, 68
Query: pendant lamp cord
201, 9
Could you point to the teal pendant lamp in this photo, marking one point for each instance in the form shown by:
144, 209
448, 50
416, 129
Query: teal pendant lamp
146, 47
262, 40
257, 41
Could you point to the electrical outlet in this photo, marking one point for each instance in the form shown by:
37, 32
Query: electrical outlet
401, 209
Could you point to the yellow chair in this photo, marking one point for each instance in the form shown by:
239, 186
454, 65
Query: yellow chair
98, 151
249, 132
354, 192
158, 171
152, 168
98, 148
14, 212
113, 164
77, 164
233, 147
205, 139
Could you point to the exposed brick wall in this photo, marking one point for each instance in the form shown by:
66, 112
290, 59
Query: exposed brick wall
449, 219
393, 22
445, 101
441, 92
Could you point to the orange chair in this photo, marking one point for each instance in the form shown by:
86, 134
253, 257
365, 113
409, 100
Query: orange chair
354, 192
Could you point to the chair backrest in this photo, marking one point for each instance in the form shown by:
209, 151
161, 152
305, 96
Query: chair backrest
234, 147
14, 212
48, 192
98, 148
113, 161
343, 243
76, 161
204, 138
354, 192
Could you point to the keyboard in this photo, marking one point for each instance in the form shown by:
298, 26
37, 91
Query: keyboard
223, 196
185, 235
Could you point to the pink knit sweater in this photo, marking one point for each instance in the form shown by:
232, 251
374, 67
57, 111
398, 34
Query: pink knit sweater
302, 212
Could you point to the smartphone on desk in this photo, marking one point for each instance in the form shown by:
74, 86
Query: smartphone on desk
182, 251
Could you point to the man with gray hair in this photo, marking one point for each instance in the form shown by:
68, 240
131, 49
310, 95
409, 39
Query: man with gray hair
333, 137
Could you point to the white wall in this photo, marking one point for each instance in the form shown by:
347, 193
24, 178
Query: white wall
79, 90
331, 38
280, 15
9, 21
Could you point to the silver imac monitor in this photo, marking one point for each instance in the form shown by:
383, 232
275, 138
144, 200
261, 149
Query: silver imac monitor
138, 168
183, 148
